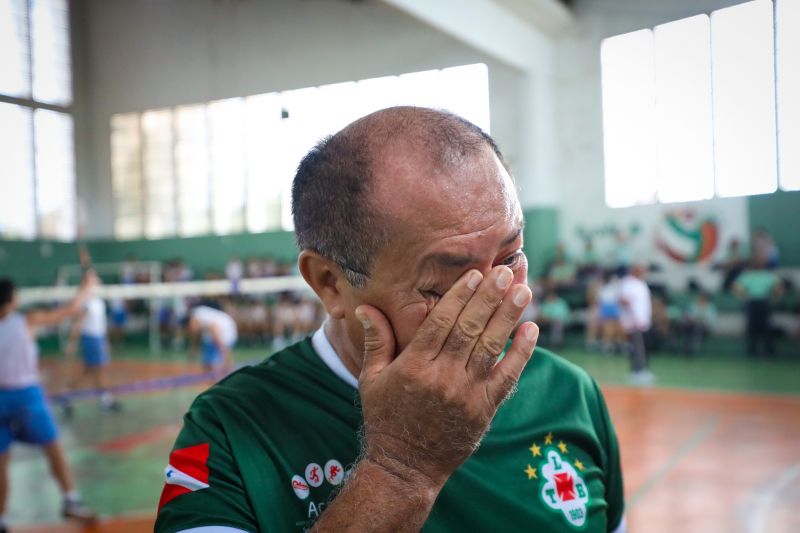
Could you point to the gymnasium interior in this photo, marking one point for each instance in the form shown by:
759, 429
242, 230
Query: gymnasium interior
160, 139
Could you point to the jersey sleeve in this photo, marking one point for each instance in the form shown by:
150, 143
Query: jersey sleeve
202, 483
613, 469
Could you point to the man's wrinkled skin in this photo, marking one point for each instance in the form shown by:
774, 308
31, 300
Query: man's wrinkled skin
425, 333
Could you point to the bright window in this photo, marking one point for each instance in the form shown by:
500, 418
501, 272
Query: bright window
684, 132
787, 59
227, 166
701, 97
18, 216
36, 130
744, 99
628, 119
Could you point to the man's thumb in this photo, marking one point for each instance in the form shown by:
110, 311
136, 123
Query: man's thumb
378, 339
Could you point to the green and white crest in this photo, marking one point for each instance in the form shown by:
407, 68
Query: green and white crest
563, 489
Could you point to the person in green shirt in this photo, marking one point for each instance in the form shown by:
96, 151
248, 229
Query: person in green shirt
699, 319
758, 286
399, 414
554, 315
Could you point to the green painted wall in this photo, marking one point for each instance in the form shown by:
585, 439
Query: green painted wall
779, 213
541, 237
203, 254
36, 263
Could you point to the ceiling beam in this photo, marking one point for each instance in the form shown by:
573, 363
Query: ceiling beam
487, 27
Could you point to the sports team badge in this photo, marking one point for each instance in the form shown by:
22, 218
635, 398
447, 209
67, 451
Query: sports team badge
561, 487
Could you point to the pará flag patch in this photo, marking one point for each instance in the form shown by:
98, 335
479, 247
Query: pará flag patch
187, 471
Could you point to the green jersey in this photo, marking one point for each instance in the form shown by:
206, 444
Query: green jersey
267, 448
758, 284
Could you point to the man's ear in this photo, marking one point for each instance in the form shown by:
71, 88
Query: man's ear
325, 278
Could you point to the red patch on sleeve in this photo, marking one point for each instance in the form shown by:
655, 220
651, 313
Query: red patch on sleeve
191, 461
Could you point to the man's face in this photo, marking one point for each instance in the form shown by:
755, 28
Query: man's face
443, 224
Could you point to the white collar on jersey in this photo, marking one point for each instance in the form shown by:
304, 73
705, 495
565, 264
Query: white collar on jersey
325, 350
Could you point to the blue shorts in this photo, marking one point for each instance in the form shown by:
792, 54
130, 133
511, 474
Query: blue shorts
609, 311
119, 317
211, 354
94, 351
25, 417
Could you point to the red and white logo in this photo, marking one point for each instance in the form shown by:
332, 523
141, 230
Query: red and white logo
334, 472
314, 474
300, 487
186, 472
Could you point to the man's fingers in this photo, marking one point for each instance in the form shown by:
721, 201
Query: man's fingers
379, 343
431, 335
472, 321
505, 375
495, 337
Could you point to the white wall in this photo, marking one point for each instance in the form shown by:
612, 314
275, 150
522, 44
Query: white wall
580, 135
144, 54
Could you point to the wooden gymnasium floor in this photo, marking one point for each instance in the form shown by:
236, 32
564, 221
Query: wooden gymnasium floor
693, 460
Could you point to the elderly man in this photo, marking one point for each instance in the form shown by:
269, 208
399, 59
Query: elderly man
411, 236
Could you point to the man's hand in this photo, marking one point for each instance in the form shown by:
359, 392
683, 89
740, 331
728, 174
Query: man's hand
426, 410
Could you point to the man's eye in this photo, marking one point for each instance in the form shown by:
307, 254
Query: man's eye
431, 294
513, 260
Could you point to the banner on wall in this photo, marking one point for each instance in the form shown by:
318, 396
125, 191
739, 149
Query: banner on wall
687, 237
684, 241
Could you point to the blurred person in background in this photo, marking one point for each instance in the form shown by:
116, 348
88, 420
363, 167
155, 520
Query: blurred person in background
25, 415
218, 333
758, 286
553, 318
765, 251
699, 320
636, 318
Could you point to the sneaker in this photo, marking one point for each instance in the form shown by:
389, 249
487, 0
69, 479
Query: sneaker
67, 410
113, 406
642, 378
78, 511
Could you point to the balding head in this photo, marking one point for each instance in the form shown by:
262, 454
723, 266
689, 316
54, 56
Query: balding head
352, 189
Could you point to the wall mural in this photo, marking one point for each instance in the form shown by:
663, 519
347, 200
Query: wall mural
687, 237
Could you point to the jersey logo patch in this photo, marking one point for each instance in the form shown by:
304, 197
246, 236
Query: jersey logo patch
561, 487
187, 471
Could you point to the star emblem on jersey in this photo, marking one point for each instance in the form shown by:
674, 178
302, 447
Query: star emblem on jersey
315, 475
560, 485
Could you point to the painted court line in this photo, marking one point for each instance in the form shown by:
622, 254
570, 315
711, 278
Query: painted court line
690, 445
759, 519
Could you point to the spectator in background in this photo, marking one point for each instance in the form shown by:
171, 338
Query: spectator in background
700, 318
128, 274
622, 254
253, 267
765, 251
268, 267
589, 269
733, 265
609, 312
562, 272
636, 317
757, 287
234, 271
553, 317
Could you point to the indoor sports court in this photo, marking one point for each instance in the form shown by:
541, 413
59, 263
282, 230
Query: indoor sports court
148, 245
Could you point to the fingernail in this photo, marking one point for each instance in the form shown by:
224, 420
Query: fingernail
474, 280
504, 279
531, 333
364, 320
520, 296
